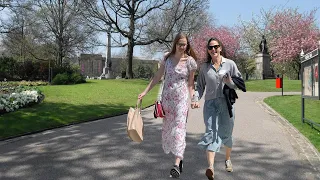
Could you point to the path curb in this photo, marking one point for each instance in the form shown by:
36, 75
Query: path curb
307, 152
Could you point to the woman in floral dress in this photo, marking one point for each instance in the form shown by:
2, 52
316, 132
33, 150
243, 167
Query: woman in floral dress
179, 66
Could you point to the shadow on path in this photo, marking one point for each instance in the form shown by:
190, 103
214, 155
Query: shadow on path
102, 150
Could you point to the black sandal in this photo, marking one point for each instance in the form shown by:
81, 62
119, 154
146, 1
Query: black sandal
175, 172
180, 166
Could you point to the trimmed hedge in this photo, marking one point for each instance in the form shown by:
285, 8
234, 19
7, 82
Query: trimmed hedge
65, 78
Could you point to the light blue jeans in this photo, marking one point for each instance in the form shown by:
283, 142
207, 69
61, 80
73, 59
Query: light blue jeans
219, 125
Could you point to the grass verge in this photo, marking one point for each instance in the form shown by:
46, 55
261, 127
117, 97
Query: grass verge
269, 85
289, 107
68, 104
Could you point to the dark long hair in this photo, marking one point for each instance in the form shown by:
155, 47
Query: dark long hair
189, 50
223, 53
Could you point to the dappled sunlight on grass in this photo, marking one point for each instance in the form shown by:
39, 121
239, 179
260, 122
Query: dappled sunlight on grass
68, 104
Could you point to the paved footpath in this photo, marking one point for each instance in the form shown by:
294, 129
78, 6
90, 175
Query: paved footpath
266, 147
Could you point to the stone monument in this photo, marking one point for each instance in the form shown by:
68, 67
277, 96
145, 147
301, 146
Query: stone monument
263, 68
107, 72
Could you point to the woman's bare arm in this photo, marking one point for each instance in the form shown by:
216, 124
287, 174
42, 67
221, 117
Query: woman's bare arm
155, 79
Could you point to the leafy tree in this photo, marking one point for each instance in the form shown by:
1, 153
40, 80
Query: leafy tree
293, 32
18, 36
7, 67
52, 31
252, 31
63, 27
287, 32
246, 64
140, 71
150, 70
190, 24
138, 20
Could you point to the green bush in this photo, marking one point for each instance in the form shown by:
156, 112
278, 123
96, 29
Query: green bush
77, 78
65, 78
143, 71
60, 79
7, 68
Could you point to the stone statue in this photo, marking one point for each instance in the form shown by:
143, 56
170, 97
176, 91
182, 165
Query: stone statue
263, 45
109, 64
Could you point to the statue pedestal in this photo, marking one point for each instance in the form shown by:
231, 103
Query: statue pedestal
263, 67
108, 75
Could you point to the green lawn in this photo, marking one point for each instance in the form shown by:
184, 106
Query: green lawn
290, 108
65, 104
269, 85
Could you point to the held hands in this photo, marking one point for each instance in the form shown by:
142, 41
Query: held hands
194, 102
195, 105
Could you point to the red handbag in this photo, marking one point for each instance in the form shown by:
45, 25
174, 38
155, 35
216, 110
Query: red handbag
158, 110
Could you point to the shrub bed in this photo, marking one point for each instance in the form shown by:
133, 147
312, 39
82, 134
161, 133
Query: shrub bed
15, 97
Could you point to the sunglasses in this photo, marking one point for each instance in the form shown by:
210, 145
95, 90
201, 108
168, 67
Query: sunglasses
215, 47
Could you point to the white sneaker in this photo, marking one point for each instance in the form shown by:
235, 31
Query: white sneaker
228, 166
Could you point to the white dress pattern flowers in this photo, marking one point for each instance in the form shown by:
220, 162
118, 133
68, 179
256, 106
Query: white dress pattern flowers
175, 102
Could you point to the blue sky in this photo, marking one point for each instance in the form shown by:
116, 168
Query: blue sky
227, 12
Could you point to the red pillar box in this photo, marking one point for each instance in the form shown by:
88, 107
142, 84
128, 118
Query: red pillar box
278, 82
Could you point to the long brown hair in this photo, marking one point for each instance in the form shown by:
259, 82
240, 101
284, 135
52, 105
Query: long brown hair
189, 51
221, 45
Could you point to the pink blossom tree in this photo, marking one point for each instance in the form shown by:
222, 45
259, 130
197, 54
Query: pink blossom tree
292, 32
228, 37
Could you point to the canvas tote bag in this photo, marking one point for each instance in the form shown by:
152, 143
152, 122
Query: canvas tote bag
135, 123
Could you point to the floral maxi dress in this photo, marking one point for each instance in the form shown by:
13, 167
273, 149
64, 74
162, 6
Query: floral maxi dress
175, 103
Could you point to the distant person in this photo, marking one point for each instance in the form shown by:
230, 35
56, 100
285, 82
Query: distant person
179, 66
219, 77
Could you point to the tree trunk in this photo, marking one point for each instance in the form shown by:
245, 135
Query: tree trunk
298, 68
60, 32
298, 71
129, 74
60, 54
